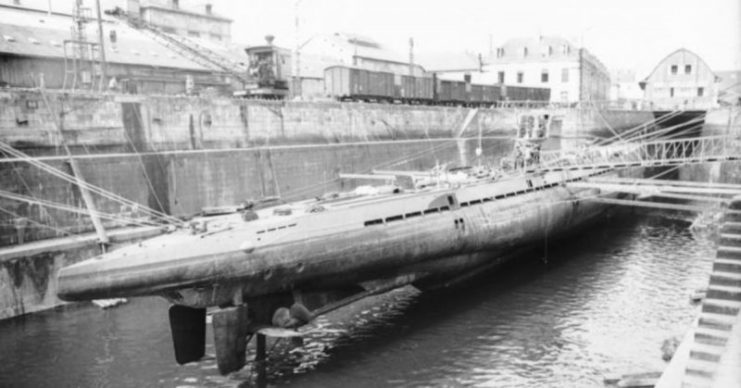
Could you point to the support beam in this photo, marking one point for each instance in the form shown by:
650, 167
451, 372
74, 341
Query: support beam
647, 189
656, 205
230, 338
260, 360
655, 182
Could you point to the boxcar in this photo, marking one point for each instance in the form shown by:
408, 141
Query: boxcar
423, 88
476, 94
351, 83
451, 91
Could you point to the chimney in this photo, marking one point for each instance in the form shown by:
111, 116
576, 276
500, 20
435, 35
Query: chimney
209, 8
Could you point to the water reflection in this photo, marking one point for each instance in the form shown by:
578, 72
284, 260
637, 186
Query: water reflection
603, 303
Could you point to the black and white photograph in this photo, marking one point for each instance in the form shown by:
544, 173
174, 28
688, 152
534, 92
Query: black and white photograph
370, 193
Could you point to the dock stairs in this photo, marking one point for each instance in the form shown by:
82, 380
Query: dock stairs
714, 358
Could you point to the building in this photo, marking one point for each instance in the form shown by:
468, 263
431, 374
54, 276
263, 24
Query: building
194, 19
451, 63
625, 92
682, 80
573, 74
191, 18
356, 50
729, 87
339, 49
34, 52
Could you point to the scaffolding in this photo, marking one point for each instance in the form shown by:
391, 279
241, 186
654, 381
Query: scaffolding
82, 65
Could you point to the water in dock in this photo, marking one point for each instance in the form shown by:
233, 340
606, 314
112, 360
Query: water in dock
602, 304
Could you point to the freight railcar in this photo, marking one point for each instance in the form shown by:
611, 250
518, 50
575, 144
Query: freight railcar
350, 83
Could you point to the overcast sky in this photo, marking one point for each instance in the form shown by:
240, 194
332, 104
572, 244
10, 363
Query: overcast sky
631, 34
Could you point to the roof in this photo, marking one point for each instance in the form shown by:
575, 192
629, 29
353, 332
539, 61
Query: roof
27, 33
204, 15
357, 45
190, 7
448, 61
677, 51
538, 48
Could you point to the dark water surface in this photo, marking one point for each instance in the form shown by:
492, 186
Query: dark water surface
602, 304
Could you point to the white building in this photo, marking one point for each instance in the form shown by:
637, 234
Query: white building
573, 74
625, 90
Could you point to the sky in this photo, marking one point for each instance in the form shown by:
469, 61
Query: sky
623, 34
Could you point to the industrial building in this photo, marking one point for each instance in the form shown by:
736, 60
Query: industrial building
348, 49
194, 19
70, 50
682, 80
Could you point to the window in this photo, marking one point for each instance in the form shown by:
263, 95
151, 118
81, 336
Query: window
687, 69
550, 51
671, 92
520, 77
564, 75
500, 77
169, 30
524, 52
674, 69
500, 52
467, 78
544, 76
215, 36
700, 92
564, 96
176, 4
194, 34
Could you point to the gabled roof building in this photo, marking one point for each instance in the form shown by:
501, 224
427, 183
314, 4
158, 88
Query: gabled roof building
682, 80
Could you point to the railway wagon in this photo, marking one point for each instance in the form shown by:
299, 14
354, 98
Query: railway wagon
524, 93
414, 89
347, 82
343, 82
491, 94
475, 93
451, 92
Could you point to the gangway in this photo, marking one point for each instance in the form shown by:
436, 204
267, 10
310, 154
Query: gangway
644, 192
186, 47
642, 154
